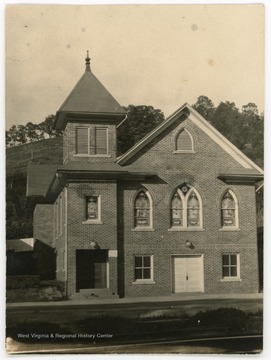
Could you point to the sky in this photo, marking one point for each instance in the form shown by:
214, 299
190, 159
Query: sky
159, 55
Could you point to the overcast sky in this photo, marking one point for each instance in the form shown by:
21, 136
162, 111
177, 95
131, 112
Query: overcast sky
159, 55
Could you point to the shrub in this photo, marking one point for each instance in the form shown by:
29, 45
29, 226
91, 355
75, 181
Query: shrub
22, 281
228, 318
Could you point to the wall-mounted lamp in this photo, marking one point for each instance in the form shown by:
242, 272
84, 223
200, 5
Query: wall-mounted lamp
94, 245
189, 244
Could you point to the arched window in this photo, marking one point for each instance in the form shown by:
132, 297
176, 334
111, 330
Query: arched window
176, 210
142, 209
186, 208
193, 210
184, 141
229, 210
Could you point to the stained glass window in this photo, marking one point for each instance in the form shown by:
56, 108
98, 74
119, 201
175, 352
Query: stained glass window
185, 208
176, 210
142, 209
92, 212
228, 210
193, 209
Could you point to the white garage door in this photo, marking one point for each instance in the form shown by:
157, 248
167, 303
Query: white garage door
187, 273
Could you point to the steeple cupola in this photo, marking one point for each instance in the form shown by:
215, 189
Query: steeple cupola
87, 62
89, 117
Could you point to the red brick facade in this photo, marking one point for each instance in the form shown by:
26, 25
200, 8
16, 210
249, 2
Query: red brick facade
107, 252
199, 169
116, 232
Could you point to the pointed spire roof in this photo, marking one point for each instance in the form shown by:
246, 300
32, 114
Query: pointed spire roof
89, 96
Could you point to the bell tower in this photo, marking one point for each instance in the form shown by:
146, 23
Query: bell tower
89, 117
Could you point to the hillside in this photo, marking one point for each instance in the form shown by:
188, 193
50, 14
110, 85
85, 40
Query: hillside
19, 212
47, 151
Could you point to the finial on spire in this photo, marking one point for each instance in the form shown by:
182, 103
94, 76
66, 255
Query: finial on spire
87, 62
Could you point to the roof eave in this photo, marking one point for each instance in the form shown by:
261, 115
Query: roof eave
111, 173
240, 178
62, 117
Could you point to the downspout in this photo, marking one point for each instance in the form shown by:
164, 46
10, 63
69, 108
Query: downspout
122, 121
66, 241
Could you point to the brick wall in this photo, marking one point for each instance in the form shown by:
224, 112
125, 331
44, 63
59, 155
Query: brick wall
199, 169
80, 234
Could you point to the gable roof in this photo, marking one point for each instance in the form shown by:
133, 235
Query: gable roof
39, 178
89, 96
205, 126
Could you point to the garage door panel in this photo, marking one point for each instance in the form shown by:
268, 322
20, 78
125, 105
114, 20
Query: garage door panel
187, 273
179, 274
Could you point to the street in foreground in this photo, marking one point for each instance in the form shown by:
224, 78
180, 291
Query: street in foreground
204, 326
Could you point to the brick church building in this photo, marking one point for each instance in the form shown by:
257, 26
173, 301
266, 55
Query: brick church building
175, 214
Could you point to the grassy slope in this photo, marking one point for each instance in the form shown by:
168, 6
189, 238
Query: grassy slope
48, 151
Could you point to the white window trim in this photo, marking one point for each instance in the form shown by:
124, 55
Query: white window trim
185, 218
236, 213
95, 221
143, 228
144, 281
231, 278
176, 151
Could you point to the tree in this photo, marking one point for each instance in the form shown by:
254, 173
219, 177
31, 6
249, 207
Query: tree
250, 109
31, 131
140, 121
8, 139
48, 126
204, 107
19, 214
18, 135
12, 133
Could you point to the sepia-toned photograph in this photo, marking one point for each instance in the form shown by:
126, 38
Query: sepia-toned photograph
134, 178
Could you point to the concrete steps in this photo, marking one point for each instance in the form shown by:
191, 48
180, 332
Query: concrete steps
94, 294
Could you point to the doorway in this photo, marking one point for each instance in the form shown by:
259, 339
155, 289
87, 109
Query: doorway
187, 274
91, 269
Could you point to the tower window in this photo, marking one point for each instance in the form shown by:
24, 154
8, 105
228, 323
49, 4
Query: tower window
101, 140
82, 140
91, 141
